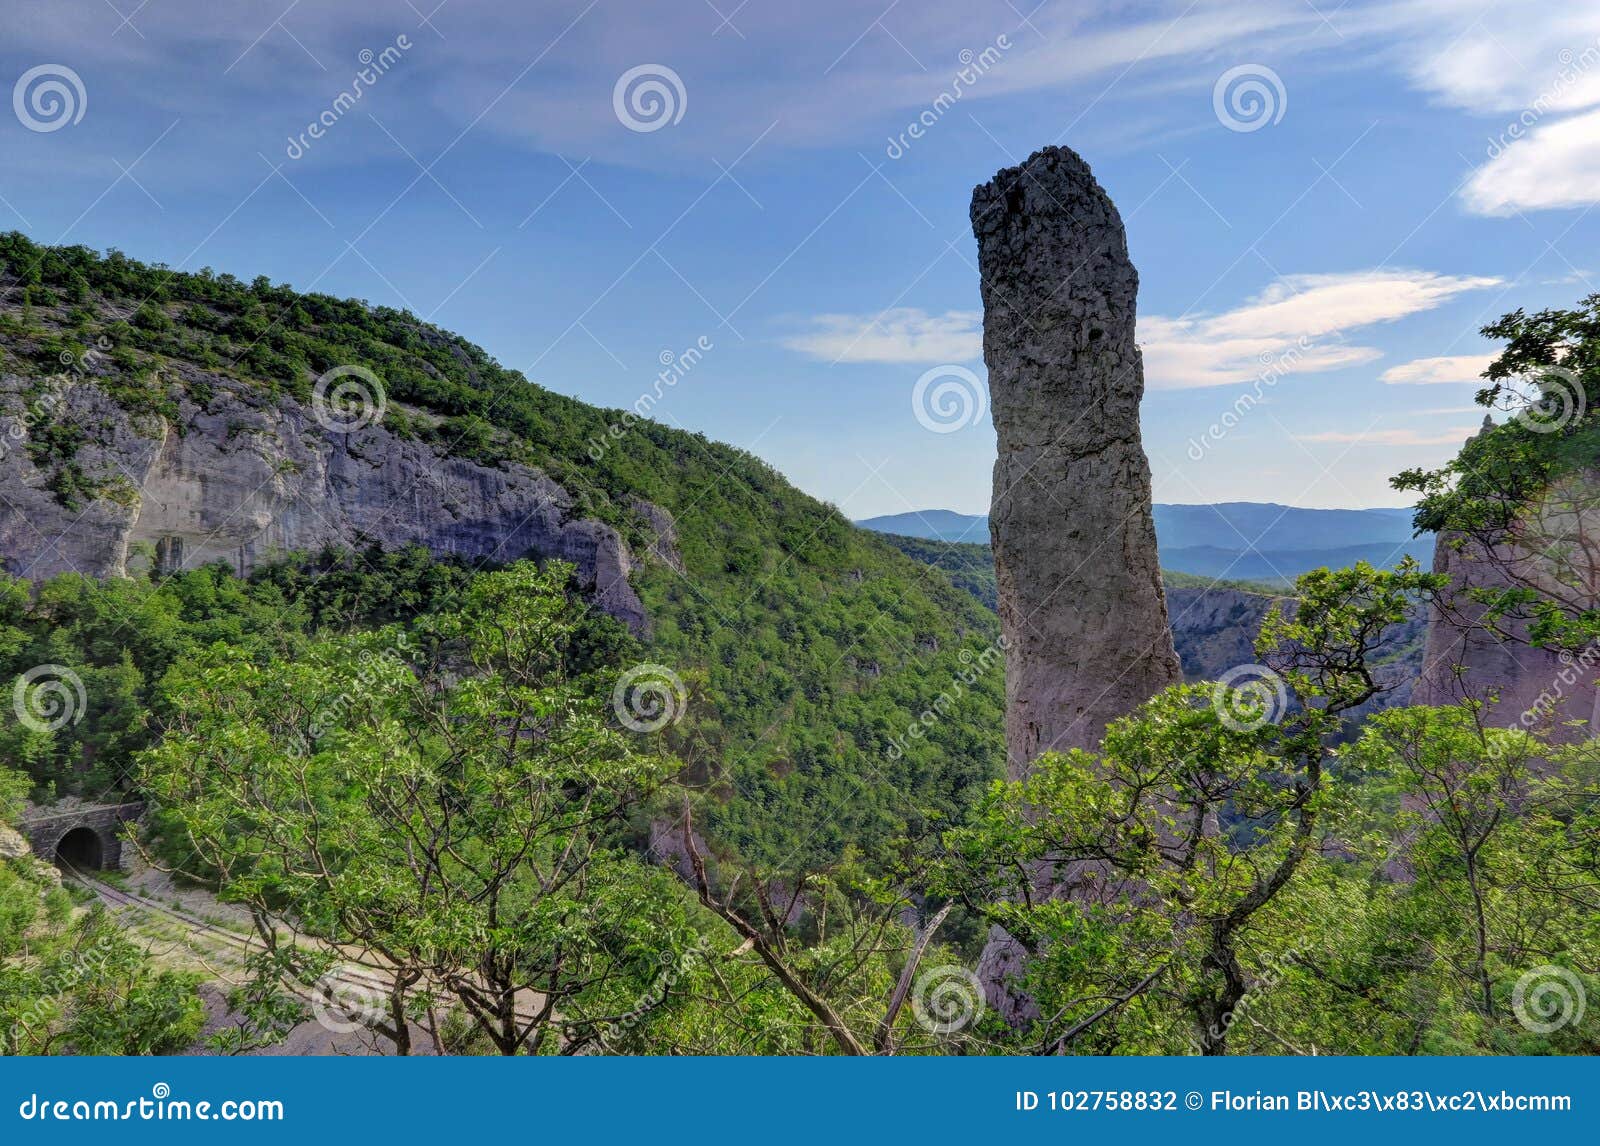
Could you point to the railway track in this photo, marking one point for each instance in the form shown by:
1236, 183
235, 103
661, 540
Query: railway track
353, 980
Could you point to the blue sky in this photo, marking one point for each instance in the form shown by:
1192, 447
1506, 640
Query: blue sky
1324, 203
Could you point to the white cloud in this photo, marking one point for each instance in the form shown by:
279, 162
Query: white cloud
1512, 56
1533, 68
1426, 371
1556, 165
1451, 437
902, 335
1295, 326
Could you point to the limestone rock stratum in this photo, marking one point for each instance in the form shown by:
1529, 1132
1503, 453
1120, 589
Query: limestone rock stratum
1468, 656
245, 476
1081, 601
1472, 655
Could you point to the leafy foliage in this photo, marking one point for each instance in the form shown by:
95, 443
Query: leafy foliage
816, 644
1522, 497
70, 981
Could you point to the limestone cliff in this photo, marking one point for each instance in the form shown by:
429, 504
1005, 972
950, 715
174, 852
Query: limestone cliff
1078, 578
1080, 592
1466, 657
1470, 655
245, 476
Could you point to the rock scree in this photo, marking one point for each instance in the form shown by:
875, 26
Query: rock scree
1081, 601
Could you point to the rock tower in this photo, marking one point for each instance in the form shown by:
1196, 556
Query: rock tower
1081, 602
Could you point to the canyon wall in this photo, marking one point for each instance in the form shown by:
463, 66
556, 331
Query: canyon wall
245, 477
1471, 656
1465, 657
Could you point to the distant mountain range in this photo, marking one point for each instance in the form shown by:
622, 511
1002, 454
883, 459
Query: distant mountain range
1238, 540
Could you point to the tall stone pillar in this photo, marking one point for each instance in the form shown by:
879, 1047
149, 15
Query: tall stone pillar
1081, 602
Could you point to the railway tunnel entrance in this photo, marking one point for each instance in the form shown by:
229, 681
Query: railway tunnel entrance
80, 850
76, 834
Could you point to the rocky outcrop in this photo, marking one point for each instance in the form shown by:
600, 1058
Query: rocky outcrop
1081, 600
1214, 629
1078, 579
1465, 657
1469, 655
246, 476
663, 544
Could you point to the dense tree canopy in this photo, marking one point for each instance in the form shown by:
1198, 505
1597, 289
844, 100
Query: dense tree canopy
423, 764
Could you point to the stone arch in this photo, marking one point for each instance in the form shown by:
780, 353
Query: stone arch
52, 834
82, 848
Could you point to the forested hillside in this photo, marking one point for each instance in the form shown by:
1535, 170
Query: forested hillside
793, 841
806, 644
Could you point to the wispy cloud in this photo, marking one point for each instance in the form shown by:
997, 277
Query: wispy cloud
1296, 326
1427, 371
903, 335
1441, 411
1511, 56
1453, 436
1533, 68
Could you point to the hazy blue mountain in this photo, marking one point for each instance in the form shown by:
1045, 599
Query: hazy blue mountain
933, 525
1280, 566
1239, 540
1265, 527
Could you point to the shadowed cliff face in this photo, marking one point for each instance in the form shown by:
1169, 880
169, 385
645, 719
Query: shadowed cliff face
1079, 583
243, 478
1467, 657
1550, 550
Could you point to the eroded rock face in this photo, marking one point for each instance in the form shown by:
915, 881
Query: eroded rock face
245, 477
1532, 688
1470, 657
1081, 601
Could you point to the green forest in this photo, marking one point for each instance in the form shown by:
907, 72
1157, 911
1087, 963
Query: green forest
440, 766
